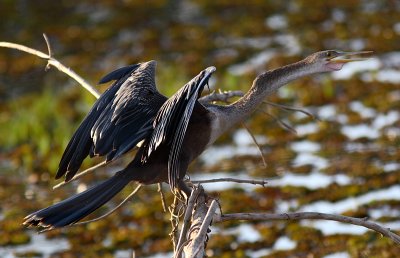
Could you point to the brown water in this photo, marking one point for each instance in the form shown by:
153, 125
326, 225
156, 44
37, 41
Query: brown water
346, 163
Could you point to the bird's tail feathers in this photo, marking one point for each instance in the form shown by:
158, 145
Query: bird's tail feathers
76, 207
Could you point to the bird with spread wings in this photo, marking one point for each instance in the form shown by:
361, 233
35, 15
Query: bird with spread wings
174, 130
130, 111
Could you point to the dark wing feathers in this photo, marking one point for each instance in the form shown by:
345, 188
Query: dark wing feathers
82, 134
130, 111
128, 114
119, 73
115, 123
172, 121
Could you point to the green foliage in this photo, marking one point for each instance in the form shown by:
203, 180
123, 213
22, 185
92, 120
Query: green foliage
38, 126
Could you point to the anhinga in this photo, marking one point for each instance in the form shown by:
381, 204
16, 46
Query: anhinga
174, 130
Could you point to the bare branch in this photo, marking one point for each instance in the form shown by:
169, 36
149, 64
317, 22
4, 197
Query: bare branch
256, 143
281, 123
198, 217
312, 215
228, 179
79, 175
48, 50
24, 49
113, 210
291, 109
54, 62
51, 61
200, 239
102, 216
220, 96
159, 189
186, 220
201, 221
175, 210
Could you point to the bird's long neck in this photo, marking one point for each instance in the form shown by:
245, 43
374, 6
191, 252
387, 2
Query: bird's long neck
264, 85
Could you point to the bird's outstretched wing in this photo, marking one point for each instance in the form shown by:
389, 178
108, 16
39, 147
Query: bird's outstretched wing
172, 121
119, 119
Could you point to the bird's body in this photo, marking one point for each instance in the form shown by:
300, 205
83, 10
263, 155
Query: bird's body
155, 170
174, 130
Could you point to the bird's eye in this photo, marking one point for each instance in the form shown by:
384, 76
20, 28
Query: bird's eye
328, 54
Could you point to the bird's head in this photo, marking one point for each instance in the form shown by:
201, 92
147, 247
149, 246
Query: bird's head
333, 60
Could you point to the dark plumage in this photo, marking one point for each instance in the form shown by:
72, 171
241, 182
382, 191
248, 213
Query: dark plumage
174, 131
119, 119
130, 111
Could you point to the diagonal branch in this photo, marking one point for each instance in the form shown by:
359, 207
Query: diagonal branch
281, 123
307, 113
195, 245
256, 143
79, 175
114, 209
53, 62
162, 196
201, 238
102, 216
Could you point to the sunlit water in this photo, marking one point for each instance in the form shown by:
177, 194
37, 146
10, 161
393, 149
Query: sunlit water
39, 243
382, 68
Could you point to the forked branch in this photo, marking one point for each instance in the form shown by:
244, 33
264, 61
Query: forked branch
51, 61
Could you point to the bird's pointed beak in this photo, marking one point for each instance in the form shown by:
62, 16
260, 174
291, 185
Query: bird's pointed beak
346, 57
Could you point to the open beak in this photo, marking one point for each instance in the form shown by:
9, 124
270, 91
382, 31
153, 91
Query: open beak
346, 57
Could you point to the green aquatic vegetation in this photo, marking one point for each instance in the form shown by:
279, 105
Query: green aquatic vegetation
268, 233
377, 246
12, 235
40, 130
234, 201
353, 164
303, 169
220, 243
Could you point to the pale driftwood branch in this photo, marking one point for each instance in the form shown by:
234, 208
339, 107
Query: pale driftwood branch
220, 96
198, 216
256, 143
229, 179
24, 49
102, 216
312, 215
200, 240
54, 62
186, 220
79, 175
